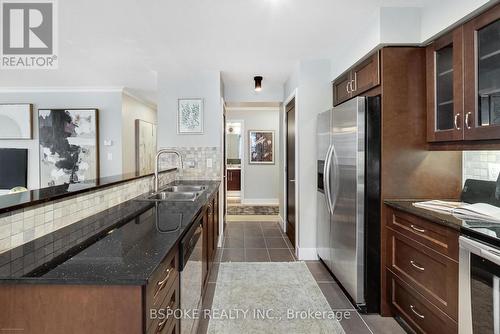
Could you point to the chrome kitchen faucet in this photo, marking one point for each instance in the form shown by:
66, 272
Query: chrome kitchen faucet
157, 161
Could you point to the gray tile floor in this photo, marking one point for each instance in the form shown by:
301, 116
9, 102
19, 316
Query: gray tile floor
265, 242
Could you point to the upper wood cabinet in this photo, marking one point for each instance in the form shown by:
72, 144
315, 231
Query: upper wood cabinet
357, 80
463, 82
482, 76
445, 88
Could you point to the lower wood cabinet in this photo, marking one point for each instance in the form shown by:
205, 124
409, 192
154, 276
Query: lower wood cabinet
422, 272
210, 235
419, 313
234, 179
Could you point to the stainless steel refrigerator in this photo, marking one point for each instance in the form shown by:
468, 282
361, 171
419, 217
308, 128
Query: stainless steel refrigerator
348, 212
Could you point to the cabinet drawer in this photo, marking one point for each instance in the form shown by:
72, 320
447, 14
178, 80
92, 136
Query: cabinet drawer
441, 239
422, 316
433, 275
162, 282
171, 301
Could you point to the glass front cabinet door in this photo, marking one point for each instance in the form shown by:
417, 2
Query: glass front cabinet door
482, 76
445, 88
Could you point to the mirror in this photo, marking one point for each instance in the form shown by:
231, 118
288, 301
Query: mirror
234, 143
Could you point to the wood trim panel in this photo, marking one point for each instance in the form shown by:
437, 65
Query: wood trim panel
433, 275
470, 104
76, 309
456, 39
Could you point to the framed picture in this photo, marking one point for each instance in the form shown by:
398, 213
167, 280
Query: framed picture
261, 145
15, 121
190, 116
69, 146
145, 147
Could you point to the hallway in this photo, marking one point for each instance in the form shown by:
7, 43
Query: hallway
250, 242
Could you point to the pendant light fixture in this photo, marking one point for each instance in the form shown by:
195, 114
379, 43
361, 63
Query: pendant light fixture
258, 83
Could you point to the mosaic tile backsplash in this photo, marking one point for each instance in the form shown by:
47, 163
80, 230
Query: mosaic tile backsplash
197, 162
481, 165
24, 225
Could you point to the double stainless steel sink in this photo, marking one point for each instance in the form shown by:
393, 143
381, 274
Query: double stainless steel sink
179, 193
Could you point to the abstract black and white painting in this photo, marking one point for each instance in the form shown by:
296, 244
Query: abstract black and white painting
261, 147
68, 146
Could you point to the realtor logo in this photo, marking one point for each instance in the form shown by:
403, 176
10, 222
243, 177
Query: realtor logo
29, 39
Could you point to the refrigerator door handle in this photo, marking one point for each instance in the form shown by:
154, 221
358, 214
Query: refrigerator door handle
326, 179
333, 157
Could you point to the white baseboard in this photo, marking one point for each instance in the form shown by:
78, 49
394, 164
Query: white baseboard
260, 201
282, 223
232, 193
305, 254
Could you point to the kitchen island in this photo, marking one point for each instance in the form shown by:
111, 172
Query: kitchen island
125, 264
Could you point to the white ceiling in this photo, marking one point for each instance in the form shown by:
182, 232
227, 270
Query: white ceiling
126, 42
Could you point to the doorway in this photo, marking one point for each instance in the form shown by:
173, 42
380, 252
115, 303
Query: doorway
290, 171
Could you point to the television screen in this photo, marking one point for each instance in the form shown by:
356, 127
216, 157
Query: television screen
13, 168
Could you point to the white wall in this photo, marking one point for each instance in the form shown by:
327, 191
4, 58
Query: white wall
261, 182
133, 109
271, 92
402, 25
203, 84
314, 96
109, 104
439, 15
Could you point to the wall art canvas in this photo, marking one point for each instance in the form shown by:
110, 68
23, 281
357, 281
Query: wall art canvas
69, 150
190, 116
145, 147
15, 121
261, 147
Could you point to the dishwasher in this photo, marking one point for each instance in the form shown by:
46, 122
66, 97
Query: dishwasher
191, 275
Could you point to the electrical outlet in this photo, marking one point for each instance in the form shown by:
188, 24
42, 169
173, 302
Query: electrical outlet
110, 156
493, 171
209, 163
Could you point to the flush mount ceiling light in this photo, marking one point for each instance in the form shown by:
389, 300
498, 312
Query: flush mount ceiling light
258, 83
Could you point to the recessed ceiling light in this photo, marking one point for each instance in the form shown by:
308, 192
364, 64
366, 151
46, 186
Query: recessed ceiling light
258, 83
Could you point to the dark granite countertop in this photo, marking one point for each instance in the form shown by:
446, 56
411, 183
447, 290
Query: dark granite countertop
12, 202
486, 231
124, 246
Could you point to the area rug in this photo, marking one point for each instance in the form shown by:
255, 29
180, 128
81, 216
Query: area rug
279, 297
261, 210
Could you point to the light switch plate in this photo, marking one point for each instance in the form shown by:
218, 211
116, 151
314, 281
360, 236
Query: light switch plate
110, 156
209, 163
108, 142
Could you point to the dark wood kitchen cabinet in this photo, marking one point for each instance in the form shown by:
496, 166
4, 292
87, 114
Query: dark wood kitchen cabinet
422, 272
234, 179
361, 78
445, 115
81, 309
463, 85
482, 76
210, 235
